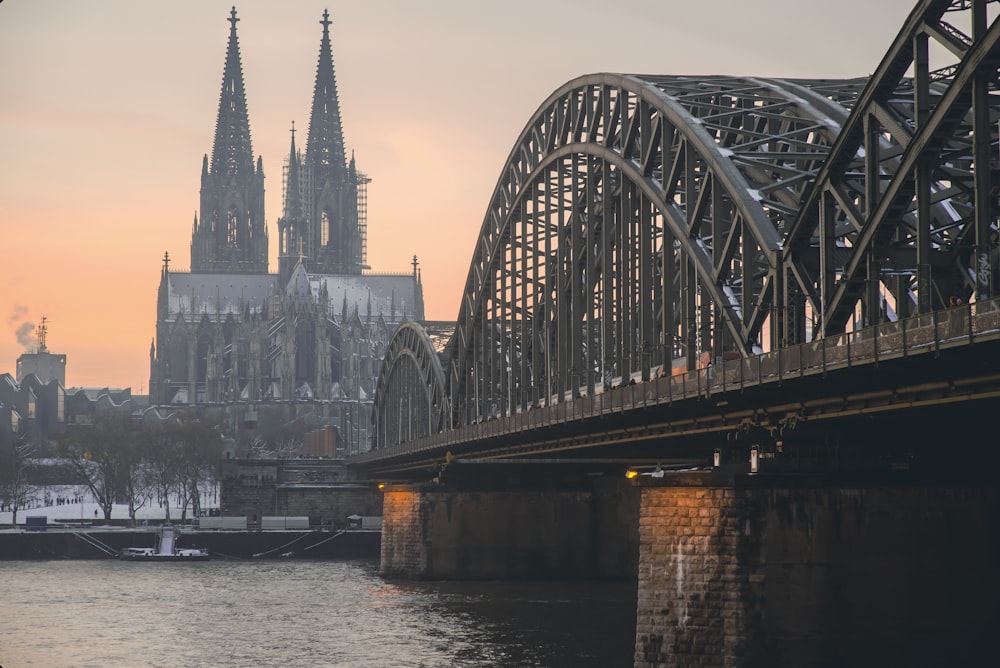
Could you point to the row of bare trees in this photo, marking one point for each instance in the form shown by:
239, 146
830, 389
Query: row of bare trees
121, 460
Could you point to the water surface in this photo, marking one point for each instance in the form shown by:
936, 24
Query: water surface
109, 614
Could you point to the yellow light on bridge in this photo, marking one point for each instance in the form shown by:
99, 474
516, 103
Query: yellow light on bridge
631, 473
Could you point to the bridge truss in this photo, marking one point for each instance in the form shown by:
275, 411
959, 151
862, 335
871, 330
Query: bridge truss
647, 224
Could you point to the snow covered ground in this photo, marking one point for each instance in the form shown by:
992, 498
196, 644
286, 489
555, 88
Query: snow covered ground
46, 502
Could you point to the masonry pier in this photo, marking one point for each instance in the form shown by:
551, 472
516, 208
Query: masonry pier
774, 570
804, 571
545, 526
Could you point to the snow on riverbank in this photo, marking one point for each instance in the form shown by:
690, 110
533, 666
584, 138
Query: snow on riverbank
74, 502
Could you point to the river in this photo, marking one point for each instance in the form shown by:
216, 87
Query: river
109, 614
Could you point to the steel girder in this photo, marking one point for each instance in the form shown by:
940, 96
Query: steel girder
410, 398
900, 218
637, 221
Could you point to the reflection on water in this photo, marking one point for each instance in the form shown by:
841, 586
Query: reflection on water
301, 613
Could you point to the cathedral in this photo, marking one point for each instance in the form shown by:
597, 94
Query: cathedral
300, 347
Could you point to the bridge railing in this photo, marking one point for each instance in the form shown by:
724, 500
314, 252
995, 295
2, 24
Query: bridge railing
922, 334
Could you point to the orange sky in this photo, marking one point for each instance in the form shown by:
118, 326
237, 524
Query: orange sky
108, 107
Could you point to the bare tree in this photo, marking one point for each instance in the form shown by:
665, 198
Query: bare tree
15, 486
162, 457
182, 456
282, 448
288, 448
135, 481
102, 456
201, 455
258, 448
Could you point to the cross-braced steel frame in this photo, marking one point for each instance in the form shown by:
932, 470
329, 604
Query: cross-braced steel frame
411, 399
901, 217
647, 223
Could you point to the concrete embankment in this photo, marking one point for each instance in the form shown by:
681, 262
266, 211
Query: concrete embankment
65, 543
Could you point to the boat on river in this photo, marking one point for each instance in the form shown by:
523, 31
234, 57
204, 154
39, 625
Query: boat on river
166, 549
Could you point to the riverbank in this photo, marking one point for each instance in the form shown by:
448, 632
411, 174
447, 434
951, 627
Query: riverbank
107, 543
75, 503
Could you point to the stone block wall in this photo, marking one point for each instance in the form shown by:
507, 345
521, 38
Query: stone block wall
328, 506
247, 488
759, 572
319, 489
434, 532
404, 549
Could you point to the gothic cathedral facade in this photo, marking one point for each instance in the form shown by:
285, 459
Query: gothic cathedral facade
302, 346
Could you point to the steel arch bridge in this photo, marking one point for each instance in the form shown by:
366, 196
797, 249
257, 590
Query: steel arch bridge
643, 224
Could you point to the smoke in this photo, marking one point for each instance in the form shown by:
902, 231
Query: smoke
26, 334
16, 314
24, 329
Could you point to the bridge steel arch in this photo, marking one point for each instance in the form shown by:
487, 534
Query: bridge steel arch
638, 221
643, 223
410, 398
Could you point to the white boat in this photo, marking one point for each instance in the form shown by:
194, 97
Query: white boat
165, 550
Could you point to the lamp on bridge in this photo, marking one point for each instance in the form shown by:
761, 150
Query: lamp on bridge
754, 459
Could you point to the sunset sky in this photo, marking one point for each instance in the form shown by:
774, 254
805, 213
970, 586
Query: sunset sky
109, 105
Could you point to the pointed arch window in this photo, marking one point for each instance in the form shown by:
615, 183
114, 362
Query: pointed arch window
232, 224
324, 228
206, 352
284, 238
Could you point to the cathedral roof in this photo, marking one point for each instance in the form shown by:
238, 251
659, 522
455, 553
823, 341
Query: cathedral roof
392, 296
217, 293
298, 288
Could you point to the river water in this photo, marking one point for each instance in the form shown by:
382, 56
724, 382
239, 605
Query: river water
109, 614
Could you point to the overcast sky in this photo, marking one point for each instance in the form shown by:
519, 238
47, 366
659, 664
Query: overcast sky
109, 105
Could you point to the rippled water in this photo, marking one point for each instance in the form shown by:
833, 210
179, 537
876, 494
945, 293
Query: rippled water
109, 614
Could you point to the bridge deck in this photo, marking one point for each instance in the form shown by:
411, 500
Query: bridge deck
836, 377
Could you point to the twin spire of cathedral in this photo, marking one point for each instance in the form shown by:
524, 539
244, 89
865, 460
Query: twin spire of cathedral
320, 212
232, 151
321, 190
325, 145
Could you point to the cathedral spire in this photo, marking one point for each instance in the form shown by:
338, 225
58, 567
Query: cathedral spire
325, 145
292, 230
334, 241
232, 152
293, 195
231, 235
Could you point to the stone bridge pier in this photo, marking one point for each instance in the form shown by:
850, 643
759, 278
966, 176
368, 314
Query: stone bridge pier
745, 570
547, 526
733, 569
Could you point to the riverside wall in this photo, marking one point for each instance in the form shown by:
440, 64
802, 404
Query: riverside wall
322, 490
65, 543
